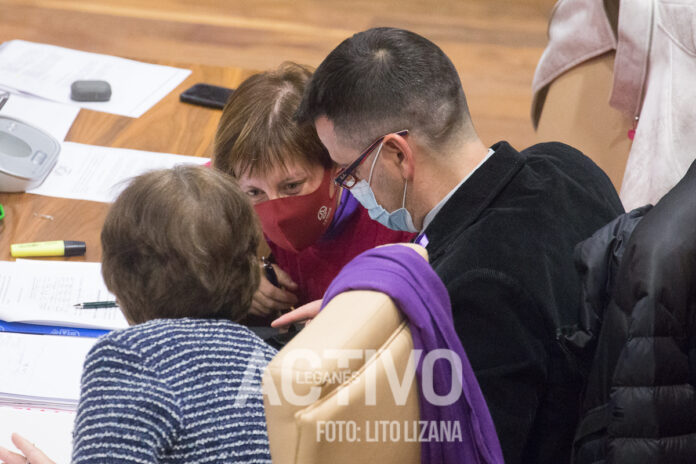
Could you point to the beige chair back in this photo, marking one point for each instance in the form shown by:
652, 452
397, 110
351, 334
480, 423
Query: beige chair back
373, 341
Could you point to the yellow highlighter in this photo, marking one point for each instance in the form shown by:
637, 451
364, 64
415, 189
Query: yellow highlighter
53, 248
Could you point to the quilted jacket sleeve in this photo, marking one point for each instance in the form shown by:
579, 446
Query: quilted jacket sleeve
653, 398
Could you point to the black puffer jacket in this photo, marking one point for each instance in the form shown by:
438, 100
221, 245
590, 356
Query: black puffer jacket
653, 396
640, 402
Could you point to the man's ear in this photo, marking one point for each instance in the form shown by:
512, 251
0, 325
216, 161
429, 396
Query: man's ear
335, 169
398, 146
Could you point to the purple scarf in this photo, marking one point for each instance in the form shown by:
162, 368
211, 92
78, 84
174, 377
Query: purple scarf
418, 292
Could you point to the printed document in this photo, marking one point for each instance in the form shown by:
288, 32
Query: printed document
88, 172
48, 71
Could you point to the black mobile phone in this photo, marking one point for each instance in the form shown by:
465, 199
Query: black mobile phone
270, 272
208, 95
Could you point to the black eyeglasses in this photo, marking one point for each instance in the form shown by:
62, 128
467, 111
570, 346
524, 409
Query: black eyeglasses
345, 177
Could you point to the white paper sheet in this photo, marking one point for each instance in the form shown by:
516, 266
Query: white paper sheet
50, 431
88, 172
42, 370
54, 118
44, 292
48, 71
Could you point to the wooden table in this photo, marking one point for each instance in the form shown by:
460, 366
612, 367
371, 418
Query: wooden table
168, 127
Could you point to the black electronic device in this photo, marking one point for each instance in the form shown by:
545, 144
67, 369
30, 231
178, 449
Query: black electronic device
208, 95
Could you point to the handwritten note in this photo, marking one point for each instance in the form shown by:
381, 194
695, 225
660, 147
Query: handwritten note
42, 370
44, 292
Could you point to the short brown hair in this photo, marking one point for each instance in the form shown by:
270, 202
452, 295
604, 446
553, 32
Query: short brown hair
181, 242
257, 131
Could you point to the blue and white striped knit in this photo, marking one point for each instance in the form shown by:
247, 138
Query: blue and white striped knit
174, 391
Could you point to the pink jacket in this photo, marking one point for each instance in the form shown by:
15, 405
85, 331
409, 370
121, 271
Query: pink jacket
654, 81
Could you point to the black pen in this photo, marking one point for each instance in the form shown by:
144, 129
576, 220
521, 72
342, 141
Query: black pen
96, 304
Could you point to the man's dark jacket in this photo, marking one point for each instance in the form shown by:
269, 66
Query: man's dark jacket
503, 245
639, 286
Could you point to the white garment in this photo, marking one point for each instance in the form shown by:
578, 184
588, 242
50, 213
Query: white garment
665, 142
654, 80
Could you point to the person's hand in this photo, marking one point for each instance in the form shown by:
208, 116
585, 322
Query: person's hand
303, 313
31, 455
270, 299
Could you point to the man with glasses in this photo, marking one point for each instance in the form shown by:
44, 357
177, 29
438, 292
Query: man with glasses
499, 225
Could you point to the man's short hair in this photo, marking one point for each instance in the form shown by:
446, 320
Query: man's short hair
384, 80
179, 243
257, 131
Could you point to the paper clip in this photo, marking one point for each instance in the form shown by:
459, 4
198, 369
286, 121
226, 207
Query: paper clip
44, 216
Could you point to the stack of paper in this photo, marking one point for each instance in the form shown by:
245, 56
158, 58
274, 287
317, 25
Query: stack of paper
45, 292
49, 430
42, 371
48, 71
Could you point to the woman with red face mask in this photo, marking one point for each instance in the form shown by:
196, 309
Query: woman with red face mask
312, 227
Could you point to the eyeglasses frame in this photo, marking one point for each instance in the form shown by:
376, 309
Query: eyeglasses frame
345, 178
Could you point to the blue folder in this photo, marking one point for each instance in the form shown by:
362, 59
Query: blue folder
20, 327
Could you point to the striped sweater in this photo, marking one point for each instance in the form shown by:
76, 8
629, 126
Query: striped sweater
173, 391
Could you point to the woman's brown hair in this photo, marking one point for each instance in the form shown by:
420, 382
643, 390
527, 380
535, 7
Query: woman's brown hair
257, 131
181, 242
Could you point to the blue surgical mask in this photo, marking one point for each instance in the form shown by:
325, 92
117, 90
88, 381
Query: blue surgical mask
398, 220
